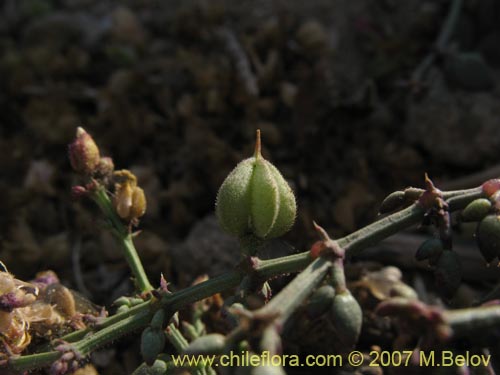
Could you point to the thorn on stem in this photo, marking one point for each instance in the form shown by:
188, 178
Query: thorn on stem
321, 232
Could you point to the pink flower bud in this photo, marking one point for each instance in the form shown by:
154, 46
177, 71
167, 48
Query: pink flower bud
84, 153
78, 192
490, 187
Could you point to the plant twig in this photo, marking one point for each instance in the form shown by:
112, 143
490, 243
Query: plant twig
472, 320
290, 297
139, 316
124, 237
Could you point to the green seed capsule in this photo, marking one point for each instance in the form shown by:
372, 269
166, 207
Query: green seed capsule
207, 345
347, 318
488, 237
256, 199
429, 249
476, 210
152, 344
320, 301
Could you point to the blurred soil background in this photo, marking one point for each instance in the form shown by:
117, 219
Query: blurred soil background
174, 91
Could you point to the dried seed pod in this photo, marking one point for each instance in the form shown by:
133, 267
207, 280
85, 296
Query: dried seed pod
63, 300
5, 321
429, 250
488, 237
138, 207
476, 210
83, 153
129, 200
152, 344
448, 273
256, 199
320, 301
7, 283
207, 345
347, 318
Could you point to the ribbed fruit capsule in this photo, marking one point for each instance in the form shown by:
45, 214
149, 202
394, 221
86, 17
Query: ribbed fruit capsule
488, 237
256, 199
347, 318
476, 210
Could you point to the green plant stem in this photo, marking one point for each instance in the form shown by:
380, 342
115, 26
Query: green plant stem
473, 320
338, 277
124, 238
290, 297
87, 344
175, 337
140, 315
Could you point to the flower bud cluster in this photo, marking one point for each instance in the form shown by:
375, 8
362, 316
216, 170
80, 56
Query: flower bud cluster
85, 157
129, 199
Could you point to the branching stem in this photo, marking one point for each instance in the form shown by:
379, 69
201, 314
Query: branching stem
139, 316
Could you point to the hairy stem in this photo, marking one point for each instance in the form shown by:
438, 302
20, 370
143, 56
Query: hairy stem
124, 237
474, 319
290, 297
139, 316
